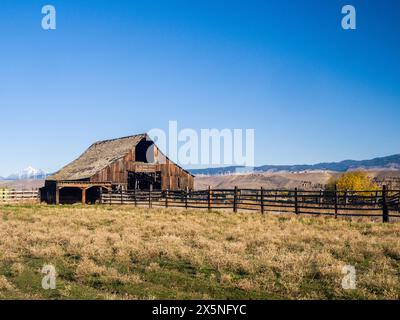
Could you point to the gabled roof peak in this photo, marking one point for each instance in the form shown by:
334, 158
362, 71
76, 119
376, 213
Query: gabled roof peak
135, 136
97, 157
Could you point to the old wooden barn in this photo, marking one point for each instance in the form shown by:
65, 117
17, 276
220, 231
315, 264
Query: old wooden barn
129, 163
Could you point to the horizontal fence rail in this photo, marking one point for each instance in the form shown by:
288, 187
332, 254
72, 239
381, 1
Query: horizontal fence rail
19, 196
377, 203
384, 203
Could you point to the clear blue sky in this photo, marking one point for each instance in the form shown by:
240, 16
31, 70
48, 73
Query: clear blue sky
312, 91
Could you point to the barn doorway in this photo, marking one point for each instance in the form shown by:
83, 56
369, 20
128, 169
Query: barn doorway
143, 180
70, 195
93, 195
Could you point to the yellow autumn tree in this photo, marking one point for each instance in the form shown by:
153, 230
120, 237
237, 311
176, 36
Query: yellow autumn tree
353, 180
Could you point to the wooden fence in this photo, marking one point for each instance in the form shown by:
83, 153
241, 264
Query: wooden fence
8, 196
383, 203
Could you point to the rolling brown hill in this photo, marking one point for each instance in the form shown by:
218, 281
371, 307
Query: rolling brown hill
281, 180
268, 180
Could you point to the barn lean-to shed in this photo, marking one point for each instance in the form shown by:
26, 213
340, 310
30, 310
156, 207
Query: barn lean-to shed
129, 163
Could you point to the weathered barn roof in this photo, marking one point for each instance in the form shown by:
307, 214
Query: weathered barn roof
99, 155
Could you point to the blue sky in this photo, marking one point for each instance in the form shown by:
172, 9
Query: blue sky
312, 91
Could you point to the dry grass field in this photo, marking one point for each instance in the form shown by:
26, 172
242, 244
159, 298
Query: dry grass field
132, 253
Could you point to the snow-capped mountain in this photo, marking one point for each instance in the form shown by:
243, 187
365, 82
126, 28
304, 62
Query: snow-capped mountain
28, 173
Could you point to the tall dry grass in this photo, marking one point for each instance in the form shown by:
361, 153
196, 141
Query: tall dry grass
132, 253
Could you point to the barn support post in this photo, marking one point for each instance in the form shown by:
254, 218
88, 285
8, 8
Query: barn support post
336, 201
101, 195
385, 209
166, 198
296, 201
57, 195
134, 197
83, 196
121, 196
262, 200
209, 198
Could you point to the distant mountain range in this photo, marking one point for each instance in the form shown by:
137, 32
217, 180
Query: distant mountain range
390, 162
28, 173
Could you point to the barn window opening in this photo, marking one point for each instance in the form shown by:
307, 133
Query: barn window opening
143, 180
144, 151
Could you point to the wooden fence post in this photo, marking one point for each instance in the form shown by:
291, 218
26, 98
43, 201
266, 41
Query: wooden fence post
134, 197
150, 195
122, 197
101, 195
166, 198
336, 202
385, 209
398, 201
235, 200
262, 200
186, 197
209, 198
296, 201
321, 197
